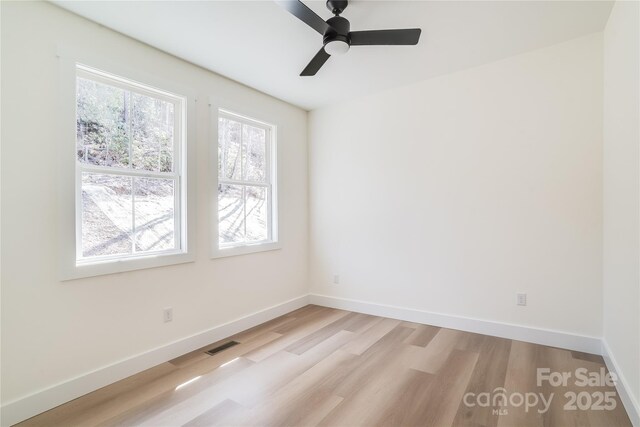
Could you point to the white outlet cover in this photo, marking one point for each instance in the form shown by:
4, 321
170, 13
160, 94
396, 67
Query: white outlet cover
521, 299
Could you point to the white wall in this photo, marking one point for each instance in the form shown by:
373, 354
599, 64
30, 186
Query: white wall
453, 194
53, 331
621, 268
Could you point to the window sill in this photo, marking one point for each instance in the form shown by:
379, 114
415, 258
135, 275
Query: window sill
123, 265
244, 249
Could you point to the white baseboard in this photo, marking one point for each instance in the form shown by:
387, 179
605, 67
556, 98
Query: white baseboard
20, 409
630, 402
548, 337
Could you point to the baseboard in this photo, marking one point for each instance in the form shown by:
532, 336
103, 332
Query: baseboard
630, 402
38, 402
548, 337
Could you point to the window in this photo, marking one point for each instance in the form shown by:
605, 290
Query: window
129, 149
246, 178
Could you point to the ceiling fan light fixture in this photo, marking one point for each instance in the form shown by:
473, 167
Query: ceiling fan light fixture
337, 36
336, 47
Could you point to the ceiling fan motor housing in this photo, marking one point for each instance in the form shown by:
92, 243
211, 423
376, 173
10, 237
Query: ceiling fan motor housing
337, 6
338, 30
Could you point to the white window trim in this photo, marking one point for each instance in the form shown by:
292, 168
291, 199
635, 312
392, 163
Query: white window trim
176, 175
218, 108
67, 175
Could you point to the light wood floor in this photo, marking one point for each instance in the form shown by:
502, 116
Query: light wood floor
321, 366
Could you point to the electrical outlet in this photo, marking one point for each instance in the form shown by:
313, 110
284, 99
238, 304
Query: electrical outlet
336, 279
521, 299
167, 314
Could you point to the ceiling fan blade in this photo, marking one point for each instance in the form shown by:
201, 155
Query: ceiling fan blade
316, 63
306, 15
409, 36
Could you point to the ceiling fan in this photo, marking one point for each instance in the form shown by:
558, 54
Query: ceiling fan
336, 34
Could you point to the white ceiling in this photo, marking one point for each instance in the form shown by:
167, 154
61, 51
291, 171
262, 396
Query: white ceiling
261, 45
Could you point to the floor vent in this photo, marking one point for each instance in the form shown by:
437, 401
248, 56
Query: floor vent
222, 347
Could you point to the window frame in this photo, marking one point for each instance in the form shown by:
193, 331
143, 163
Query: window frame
178, 103
271, 184
71, 61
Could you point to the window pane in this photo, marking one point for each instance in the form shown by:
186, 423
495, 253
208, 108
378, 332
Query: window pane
154, 214
152, 126
254, 143
101, 124
106, 215
257, 219
231, 213
229, 151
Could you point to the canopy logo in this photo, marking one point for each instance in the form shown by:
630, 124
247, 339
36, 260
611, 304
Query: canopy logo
500, 400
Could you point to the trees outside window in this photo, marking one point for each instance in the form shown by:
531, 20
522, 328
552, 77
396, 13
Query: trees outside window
245, 182
129, 142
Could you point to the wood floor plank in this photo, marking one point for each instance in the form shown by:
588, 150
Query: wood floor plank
312, 411
311, 315
423, 335
406, 407
361, 323
519, 379
436, 353
559, 360
251, 385
256, 331
382, 354
310, 340
298, 402
305, 396
251, 382
323, 366
469, 340
303, 328
372, 335
367, 403
489, 374
218, 412
264, 382
152, 408
449, 386
307, 309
